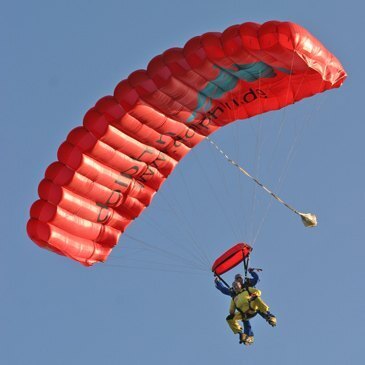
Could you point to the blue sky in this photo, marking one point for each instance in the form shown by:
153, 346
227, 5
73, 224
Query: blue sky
146, 305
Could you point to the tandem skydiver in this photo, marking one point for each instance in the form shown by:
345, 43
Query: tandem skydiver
248, 335
245, 304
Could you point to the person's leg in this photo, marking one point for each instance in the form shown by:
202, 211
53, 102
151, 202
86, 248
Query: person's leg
259, 305
269, 318
247, 329
233, 323
247, 338
262, 309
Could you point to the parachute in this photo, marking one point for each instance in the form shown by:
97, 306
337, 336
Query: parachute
231, 258
109, 169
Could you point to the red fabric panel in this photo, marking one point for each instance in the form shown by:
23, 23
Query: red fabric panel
85, 251
98, 126
84, 208
231, 258
117, 160
109, 170
46, 212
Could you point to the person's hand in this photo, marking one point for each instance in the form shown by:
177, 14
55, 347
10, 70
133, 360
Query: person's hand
252, 269
216, 279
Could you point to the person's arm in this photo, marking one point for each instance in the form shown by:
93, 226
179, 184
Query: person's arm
254, 278
222, 288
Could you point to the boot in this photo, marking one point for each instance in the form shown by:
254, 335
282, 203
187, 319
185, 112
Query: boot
249, 340
246, 339
269, 318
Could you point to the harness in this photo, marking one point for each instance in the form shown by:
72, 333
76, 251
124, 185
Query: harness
245, 315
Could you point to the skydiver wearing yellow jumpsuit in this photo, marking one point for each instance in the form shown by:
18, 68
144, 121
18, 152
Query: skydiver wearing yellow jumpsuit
244, 305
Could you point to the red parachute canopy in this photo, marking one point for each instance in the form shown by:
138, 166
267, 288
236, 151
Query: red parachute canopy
231, 258
109, 169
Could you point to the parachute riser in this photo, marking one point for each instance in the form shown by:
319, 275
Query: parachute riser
308, 219
222, 280
245, 265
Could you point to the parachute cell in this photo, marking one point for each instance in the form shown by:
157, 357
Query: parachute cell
109, 170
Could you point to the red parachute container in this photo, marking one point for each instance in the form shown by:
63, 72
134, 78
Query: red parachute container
231, 258
109, 169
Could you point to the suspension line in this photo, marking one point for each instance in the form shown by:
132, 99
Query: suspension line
308, 219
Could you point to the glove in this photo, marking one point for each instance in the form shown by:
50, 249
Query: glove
251, 269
